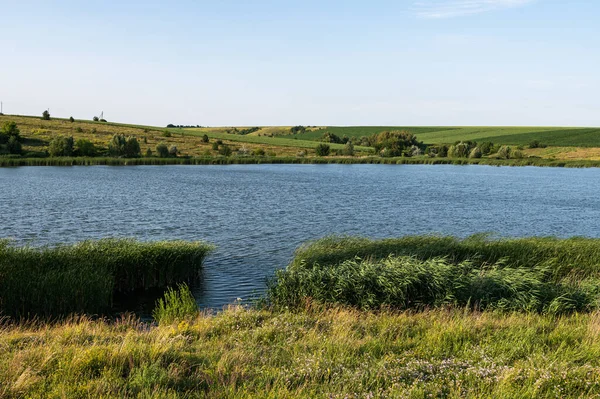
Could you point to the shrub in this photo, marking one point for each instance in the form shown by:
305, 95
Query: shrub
71, 119
162, 150
504, 152
298, 129
176, 305
393, 143
348, 149
9, 129
85, 148
148, 153
301, 154
13, 146
95, 119
331, 138
173, 151
243, 151
322, 150
476, 153
459, 150
94, 131
103, 120
487, 147
215, 146
166, 133
121, 146
219, 141
536, 144
46, 115
518, 154
79, 129
225, 151
205, 138
259, 152
61, 146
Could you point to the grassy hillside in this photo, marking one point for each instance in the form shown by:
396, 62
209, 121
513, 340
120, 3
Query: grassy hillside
552, 136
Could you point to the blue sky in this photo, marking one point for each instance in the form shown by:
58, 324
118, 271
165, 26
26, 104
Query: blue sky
234, 62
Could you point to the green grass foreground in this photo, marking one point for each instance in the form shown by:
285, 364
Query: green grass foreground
84, 277
249, 160
314, 353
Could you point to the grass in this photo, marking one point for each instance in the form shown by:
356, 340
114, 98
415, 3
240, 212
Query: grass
315, 353
84, 277
479, 318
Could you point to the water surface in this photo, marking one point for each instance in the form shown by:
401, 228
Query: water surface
258, 214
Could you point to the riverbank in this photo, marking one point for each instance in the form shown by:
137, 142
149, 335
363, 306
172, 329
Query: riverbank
235, 160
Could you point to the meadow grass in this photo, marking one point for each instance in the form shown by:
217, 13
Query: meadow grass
315, 353
84, 277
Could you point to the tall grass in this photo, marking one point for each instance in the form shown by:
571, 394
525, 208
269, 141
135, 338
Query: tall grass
408, 283
221, 160
176, 305
333, 353
545, 275
82, 278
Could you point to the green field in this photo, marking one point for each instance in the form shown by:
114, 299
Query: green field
552, 136
282, 141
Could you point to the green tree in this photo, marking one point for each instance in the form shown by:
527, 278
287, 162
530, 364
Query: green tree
71, 119
121, 146
205, 138
225, 150
348, 149
46, 115
476, 153
323, 150
13, 146
95, 119
393, 143
162, 150
173, 151
85, 148
61, 146
9, 129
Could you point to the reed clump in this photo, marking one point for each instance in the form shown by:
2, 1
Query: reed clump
544, 275
83, 277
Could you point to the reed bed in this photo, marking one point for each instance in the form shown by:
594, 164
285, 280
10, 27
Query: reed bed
545, 275
84, 277
235, 160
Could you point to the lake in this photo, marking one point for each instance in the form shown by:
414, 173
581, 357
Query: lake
258, 214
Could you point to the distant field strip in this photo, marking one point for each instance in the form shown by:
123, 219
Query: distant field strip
274, 141
554, 136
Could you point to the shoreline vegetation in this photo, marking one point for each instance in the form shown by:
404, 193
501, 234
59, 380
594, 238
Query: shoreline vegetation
410, 317
49, 141
107, 161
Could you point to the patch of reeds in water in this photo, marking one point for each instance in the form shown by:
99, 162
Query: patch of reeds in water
83, 277
545, 275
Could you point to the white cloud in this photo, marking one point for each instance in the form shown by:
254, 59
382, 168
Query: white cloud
437, 9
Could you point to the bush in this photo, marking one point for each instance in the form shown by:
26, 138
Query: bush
487, 147
121, 146
46, 115
61, 146
173, 151
95, 119
205, 138
166, 133
215, 146
504, 152
225, 150
536, 144
177, 305
103, 120
71, 119
85, 148
148, 153
162, 150
9, 129
348, 149
259, 152
298, 129
13, 146
79, 129
476, 153
459, 150
331, 138
301, 154
322, 150
393, 143
219, 141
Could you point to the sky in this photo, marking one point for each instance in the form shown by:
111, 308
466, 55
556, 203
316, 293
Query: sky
304, 62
